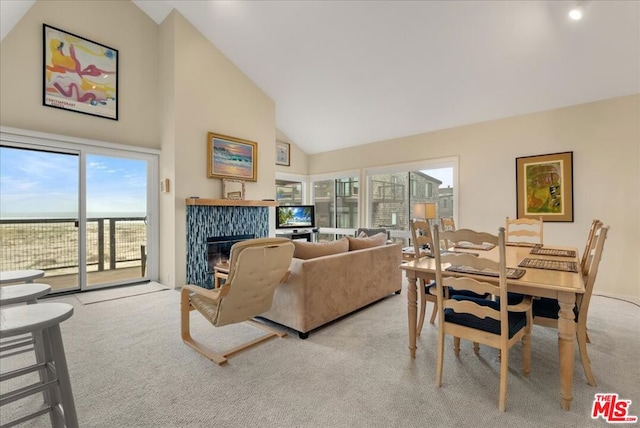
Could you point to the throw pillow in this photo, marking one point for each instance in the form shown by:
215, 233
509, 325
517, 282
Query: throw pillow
310, 250
362, 235
371, 241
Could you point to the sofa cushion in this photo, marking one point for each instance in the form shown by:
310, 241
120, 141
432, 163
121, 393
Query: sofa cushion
310, 250
371, 241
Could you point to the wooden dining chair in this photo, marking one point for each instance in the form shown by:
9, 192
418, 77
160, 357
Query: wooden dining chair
447, 224
545, 310
493, 323
423, 240
528, 228
595, 225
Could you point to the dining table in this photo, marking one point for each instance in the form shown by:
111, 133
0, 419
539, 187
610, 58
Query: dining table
24, 275
562, 285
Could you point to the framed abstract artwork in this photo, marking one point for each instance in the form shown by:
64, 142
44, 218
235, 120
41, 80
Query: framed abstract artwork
544, 187
230, 157
79, 75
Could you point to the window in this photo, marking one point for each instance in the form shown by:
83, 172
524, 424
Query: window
336, 202
394, 190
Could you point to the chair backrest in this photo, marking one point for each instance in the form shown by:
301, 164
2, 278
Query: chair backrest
447, 224
595, 225
529, 228
462, 281
593, 262
256, 267
421, 237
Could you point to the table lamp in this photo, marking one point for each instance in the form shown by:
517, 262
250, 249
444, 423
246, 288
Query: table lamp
425, 210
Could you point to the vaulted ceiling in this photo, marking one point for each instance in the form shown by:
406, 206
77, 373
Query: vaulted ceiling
345, 73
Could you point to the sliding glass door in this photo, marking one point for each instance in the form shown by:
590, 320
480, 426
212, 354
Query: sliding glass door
39, 212
81, 215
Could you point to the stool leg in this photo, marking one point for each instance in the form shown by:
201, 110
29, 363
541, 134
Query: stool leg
41, 357
60, 361
53, 394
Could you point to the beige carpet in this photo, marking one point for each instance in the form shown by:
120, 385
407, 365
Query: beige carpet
97, 296
129, 369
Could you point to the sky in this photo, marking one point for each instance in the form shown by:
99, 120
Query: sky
40, 184
443, 174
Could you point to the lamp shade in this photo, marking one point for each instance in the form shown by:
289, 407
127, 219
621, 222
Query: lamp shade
426, 210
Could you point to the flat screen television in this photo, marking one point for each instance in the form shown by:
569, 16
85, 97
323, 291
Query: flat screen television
295, 217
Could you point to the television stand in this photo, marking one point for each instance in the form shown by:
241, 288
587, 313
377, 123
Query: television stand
298, 234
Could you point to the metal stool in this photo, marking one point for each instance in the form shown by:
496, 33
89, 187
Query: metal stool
43, 321
21, 293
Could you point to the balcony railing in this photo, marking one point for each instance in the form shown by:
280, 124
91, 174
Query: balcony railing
52, 244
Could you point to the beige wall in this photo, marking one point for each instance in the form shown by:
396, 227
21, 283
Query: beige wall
299, 159
605, 139
209, 94
117, 24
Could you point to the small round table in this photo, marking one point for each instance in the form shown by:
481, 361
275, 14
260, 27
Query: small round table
19, 293
27, 275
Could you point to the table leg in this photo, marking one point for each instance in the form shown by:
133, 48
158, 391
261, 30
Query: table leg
412, 312
566, 337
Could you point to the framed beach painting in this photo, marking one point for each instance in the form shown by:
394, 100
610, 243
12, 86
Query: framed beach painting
283, 153
79, 74
230, 157
545, 186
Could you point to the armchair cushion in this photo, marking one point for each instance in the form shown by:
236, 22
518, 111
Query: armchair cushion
311, 250
371, 241
517, 320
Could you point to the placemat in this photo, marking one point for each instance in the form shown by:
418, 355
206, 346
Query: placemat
512, 273
523, 244
552, 252
549, 264
449, 252
472, 246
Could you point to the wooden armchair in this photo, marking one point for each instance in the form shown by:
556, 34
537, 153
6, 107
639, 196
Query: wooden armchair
492, 323
528, 228
256, 268
545, 310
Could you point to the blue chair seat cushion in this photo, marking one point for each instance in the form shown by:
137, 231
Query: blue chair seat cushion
548, 308
430, 288
517, 320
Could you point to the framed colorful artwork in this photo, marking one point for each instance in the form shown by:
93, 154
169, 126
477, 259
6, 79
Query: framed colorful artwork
283, 153
79, 75
230, 157
544, 186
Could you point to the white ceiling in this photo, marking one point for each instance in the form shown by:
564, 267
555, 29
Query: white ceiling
344, 73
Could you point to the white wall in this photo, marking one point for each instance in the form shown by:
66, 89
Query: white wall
605, 139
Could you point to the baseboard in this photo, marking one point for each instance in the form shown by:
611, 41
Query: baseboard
630, 299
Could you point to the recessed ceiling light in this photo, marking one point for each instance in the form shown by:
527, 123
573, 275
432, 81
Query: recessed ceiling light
575, 13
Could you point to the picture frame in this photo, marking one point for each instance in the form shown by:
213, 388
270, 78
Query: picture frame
79, 74
283, 153
231, 157
232, 189
544, 187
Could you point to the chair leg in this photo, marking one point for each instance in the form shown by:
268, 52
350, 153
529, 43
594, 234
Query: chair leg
440, 356
526, 345
586, 363
456, 346
434, 312
504, 371
476, 348
185, 309
587, 334
423, 306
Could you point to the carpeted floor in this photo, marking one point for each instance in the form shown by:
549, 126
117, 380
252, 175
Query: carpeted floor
130, 369
97, 296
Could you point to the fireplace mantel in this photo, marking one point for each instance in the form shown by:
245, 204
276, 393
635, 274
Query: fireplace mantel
230, 203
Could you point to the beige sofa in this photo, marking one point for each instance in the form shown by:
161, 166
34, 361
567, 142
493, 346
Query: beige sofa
322, 289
